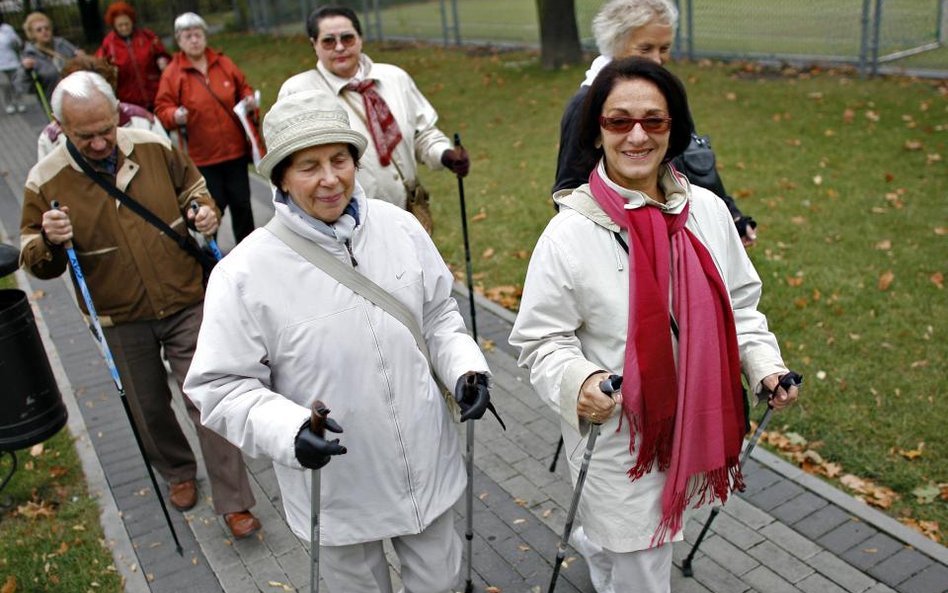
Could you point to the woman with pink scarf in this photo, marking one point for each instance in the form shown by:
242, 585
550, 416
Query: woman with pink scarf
642, 274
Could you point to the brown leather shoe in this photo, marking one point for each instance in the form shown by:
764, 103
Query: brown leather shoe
242, 524
183, 495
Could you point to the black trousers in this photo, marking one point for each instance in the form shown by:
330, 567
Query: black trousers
229, 184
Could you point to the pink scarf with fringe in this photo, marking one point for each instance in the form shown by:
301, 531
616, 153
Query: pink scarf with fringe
690, 418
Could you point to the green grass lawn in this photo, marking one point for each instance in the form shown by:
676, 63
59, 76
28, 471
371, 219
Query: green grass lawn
846, 177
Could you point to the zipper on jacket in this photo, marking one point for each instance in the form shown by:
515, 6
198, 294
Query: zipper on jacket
355, 263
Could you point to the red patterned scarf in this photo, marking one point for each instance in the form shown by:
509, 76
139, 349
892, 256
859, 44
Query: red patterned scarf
381, 123
690, 418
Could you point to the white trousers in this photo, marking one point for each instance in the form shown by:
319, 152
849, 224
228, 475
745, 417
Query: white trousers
645, 571
430, 561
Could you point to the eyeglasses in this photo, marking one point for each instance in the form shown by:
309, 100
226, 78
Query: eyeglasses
329, 42
623, 125
39, 28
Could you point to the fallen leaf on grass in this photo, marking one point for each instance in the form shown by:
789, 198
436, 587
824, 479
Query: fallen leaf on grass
912, 453
884, 245
479, 216
885, 280
35, 510
938, 279
931, 159
926, 494
913, 145
488, 253
36, 450
9, 586
58, 471
929, 529
872, 116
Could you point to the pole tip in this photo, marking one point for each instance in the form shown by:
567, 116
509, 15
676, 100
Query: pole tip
686, 568
179, 550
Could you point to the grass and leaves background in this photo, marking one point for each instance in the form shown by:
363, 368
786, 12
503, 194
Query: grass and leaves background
846, 177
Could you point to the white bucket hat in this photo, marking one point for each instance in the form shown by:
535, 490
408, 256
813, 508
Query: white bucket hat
302, 120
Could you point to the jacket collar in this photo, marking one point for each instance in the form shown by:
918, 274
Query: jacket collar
127, 168
336, 83
299, 226
677, 193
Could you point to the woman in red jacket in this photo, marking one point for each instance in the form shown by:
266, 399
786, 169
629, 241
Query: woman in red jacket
197, 95
136, 52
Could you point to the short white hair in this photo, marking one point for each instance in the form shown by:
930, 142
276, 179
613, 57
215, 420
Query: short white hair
189, 20
613, 24
81, 85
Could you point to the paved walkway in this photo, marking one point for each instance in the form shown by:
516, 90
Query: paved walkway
789, 532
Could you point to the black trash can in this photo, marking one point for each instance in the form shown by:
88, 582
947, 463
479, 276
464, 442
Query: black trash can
31, 407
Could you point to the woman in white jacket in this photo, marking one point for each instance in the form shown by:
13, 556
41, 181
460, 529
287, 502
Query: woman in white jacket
643, 275
279, 333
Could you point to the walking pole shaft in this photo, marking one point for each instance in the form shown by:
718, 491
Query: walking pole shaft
469, 447
41, 94
317, 421
790, 379
608, 386
96, 329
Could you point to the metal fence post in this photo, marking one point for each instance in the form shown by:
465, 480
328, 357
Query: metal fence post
876, 25
864, 40
691, 31
939, 22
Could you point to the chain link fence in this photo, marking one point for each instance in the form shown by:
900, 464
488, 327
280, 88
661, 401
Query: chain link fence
887, 36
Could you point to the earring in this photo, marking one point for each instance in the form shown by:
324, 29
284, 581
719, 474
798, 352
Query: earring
598, 143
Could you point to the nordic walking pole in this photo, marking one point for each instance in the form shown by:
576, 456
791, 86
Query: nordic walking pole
211, 242
317, 423
96, 328
607, 386
41, 94
790, 379
469, 461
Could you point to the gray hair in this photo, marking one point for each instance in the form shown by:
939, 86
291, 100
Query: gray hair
81, 85
189, 20
615, 21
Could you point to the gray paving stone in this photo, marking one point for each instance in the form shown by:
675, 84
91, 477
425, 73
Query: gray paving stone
774, 495
494, 465
798, 507
757, 478
521, 488
764, 579
735, 532
933, 579
844, 575
715, 578
817, 583
295, 564
747, 513
682, 584
900, 567
726, 554
791, 541
780, 561
846, 536
872, 551
880, 588
267, 570
538, 474
822, 521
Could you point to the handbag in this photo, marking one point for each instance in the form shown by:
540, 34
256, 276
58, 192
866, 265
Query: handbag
362, 286
185, 242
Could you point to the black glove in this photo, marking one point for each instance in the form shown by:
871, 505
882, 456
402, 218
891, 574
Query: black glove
457, 161
473, 397
314, 451
743, 223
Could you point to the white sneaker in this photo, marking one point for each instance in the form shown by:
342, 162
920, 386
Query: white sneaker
10, 109
21, 108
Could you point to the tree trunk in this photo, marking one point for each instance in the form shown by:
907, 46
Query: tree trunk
559, 35
91, 21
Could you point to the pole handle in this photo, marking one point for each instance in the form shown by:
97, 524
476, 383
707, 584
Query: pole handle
55, 206
317, 418
611, 384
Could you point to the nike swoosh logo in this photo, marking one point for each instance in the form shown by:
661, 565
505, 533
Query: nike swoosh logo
399, 275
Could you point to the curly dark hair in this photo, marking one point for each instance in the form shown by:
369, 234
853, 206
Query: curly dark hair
312, 23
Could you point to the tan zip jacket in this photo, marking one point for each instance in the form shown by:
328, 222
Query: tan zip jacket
133, 271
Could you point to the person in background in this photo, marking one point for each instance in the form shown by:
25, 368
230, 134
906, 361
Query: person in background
130, 116
197, 95
44, 55
147, 290
383, 104
642, 274
138, 54
645, 28
10, 45
280, 333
